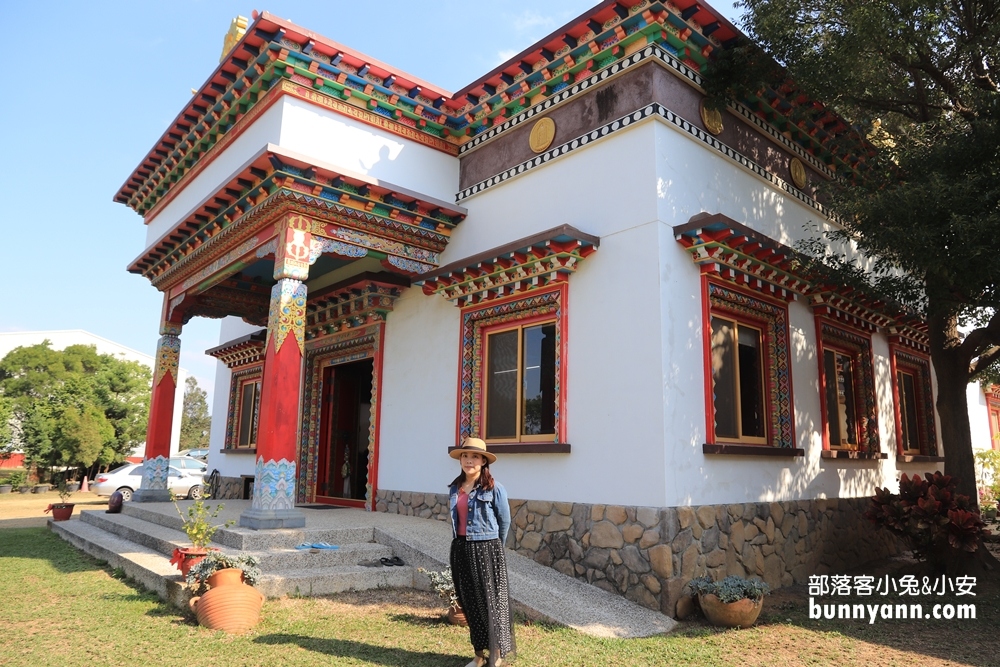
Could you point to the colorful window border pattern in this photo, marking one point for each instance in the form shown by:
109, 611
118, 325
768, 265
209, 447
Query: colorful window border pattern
908, 361
545, 303
354, 345
727, 301
237, 380
860, 348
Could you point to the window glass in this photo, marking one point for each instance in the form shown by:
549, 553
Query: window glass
249, 406
840, 399
138, 471
724, 378
908, 410
501, 408
539, 372
751, 383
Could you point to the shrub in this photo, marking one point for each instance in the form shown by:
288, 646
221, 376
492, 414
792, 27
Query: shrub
197, 525
731, 589
443, 584
929, 516
17, 479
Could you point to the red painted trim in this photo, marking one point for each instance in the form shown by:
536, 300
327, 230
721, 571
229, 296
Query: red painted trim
918, 387
820, 356
706, 329
377, 372
563, 425
339, 502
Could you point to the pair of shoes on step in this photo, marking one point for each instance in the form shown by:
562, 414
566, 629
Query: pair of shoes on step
395, 560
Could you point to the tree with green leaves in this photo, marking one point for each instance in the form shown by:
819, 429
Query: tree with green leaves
918, 82
74, 407
196, 422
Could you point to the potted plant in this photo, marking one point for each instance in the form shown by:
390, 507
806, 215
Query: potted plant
988, 503
445, 588
197, 525
62, 510
220, 569
19, 481
733, 602
231, 603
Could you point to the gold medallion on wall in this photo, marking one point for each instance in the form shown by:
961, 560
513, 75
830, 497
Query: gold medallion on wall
710, 118
798, 172
542, 134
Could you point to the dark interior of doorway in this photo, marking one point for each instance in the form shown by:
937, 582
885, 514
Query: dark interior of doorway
343, 456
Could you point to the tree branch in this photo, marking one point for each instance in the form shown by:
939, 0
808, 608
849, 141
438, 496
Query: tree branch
983, 337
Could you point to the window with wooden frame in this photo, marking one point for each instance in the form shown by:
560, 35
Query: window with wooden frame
916, 434
993, 408
519, 396
847, 389
513, 375
748, 384
244, 408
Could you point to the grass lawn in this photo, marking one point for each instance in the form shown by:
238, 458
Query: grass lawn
62, 607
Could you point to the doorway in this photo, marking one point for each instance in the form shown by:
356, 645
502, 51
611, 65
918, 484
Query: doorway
342, 461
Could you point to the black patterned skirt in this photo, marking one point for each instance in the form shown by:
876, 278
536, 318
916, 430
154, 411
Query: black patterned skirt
479, 570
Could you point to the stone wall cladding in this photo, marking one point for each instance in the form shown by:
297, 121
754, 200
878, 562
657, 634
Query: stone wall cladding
648, 554
230, 488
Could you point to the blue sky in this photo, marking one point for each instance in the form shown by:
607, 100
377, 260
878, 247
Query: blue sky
95, 86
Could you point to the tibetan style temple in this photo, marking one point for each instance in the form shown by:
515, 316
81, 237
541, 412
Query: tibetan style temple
572, 258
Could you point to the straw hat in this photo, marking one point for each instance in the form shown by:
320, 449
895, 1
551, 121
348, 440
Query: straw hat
473, 445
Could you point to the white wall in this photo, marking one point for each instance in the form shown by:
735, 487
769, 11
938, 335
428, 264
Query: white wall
979, 417
62, 339
265, 129
342, 141
228, 465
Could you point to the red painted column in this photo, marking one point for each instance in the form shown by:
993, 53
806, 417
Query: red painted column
161, 417
274, 495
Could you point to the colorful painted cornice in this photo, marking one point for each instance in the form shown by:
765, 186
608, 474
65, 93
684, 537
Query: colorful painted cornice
273, 176
241, 351
362, 300
533, 262
735, 253
275, 54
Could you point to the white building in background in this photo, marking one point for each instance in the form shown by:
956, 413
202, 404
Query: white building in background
572, 258
62, 339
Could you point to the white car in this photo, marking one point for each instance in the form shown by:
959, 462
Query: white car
188, 464
128, 479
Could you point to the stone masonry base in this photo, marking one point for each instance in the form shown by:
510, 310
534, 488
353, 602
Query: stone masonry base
648, 554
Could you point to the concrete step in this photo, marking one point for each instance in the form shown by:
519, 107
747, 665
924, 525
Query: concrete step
329, 580
246, 539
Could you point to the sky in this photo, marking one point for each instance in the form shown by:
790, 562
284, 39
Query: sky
94, 85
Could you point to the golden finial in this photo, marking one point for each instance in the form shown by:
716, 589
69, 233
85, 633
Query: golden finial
237, 29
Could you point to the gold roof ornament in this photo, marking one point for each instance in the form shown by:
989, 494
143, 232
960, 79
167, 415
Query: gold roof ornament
237, 29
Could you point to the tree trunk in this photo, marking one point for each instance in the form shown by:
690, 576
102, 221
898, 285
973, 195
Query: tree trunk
951, 368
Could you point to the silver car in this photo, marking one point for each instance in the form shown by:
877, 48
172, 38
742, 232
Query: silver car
128, 478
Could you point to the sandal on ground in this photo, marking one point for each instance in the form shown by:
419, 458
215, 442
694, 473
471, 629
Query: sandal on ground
386, 561
396, 560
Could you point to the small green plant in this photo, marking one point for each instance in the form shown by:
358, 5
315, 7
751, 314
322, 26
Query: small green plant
18, 479
731, 589
64, 492
442, 584
197, 521
216, 560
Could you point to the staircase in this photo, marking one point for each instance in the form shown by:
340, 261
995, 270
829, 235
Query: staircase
141, 541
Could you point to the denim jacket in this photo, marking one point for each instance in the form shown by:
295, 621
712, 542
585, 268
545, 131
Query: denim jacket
489, 514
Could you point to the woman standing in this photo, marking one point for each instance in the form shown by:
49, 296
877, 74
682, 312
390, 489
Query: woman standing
480, 520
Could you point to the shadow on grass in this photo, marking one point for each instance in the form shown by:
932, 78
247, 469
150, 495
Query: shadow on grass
41, 543
422, 621
379, 655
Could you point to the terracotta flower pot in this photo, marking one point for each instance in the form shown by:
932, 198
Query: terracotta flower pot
186, 557
456, 616
60, 511
232, 609
739, 614
230, 576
